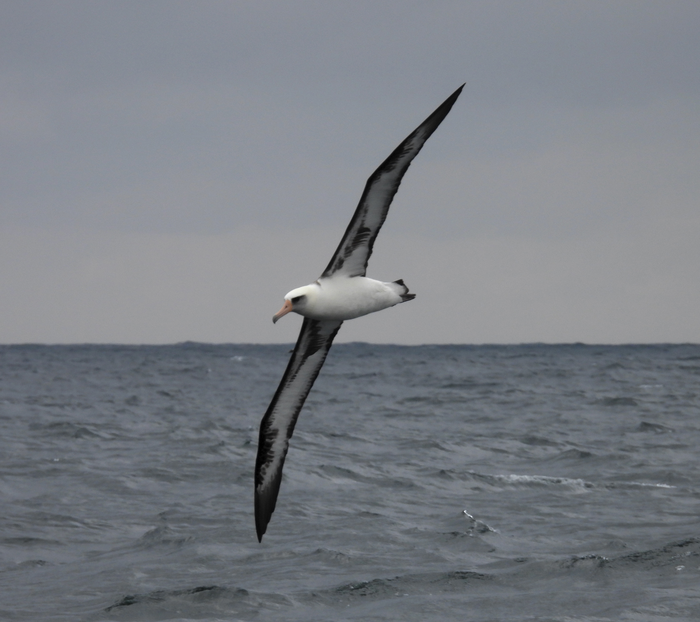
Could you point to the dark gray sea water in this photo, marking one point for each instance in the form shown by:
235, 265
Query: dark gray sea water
424, 483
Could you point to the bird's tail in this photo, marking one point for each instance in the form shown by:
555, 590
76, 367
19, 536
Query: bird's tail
403, 291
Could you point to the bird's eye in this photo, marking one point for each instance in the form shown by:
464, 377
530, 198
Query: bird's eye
296, 299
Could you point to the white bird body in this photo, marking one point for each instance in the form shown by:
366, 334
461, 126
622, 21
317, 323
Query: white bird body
341, 297
342, 292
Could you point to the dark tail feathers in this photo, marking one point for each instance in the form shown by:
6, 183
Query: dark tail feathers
405, 296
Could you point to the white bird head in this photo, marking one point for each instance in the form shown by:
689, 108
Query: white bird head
296, 300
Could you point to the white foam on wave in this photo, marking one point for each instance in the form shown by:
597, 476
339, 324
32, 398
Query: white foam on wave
544, 480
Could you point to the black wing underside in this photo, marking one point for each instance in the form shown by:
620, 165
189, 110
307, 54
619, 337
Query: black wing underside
315, 339
354, 250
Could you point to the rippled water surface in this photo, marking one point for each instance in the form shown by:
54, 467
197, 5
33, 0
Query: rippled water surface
423, 483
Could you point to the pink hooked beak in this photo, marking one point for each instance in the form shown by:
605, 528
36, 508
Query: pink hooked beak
283, 311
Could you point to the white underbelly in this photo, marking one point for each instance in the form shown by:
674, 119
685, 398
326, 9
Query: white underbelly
345, 298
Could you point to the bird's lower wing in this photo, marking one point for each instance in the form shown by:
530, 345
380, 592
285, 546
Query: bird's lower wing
277, 426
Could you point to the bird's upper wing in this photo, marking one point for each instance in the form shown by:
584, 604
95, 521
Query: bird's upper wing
315, 339
354, 250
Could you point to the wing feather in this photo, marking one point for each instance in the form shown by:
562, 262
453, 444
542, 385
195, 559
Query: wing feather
355, 248
276, 428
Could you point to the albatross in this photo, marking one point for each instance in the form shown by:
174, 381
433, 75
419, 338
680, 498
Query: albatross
342, 292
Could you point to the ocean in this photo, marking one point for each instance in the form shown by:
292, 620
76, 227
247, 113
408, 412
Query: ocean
447, 482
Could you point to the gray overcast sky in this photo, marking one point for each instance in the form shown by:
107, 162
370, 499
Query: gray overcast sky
170, 169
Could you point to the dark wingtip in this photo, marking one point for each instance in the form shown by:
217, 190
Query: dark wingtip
263, 514
265, 502
260, 523
444, 108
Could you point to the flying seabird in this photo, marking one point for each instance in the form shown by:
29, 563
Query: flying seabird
342, 292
